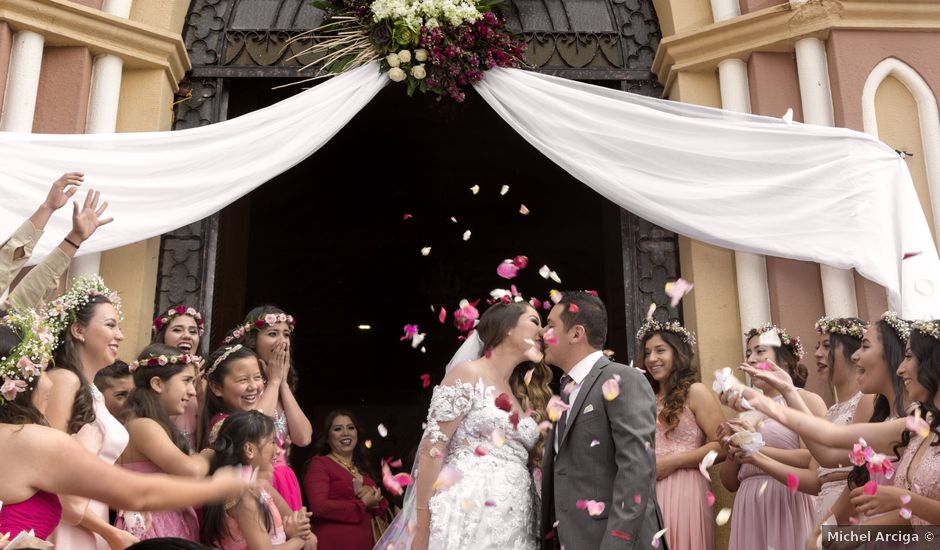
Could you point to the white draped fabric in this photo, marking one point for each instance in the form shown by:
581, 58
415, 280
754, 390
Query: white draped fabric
750, 183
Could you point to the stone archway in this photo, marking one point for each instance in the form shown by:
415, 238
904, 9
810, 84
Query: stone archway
611, 42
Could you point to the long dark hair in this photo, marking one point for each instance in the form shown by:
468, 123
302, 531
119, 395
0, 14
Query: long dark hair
893, 348
143, 402
251, 339
214, 404
21, 409
926, 350
237, 430
495, 324
681, 378
68, 358
360, 455
849, 343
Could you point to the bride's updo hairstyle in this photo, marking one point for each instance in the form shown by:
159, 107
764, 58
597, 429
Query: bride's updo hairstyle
495, 324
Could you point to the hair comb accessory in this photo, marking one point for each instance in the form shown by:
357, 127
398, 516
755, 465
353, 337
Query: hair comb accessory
228, 351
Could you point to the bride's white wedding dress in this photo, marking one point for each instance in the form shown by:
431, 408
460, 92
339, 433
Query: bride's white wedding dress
492, 504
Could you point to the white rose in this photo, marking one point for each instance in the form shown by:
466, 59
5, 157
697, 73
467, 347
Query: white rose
421, 55
396, 74
404, 56
393, 60
418, 72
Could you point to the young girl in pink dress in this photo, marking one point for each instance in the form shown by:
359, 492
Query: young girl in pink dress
267, 330
261, 519
163, 385
86, 321
768, 512
181, 327
687, 420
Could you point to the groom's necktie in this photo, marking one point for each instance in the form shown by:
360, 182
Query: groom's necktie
565, 395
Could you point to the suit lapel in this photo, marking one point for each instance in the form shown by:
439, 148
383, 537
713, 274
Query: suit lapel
586, 386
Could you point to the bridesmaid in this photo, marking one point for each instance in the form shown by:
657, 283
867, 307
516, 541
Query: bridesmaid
182, 328
267, 331
86, 321
767, 513
687, 420
342, 495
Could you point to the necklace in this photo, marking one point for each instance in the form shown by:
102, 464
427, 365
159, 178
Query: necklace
348, 466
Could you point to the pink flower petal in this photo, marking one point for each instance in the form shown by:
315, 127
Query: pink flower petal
528, 376
905, 513
406, 217
573, 308
523, 210
637, 498
480, 451
706, 463
595, 443
507, 269
793, 482
677, 290
905, 499
710, 498
425, 381
870, 488
650, 311
503, 402
555, 407
549, 337
918, 425
611, 388
910, 255
448, 476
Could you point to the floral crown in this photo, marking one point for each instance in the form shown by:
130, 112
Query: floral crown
900, 327
26, 360
674, 327
268, 320
163, 360
163, 320
790, 342
841, 325
60, 313
221, 359
930, 328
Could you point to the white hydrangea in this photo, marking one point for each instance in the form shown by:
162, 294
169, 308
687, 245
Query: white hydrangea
416, 12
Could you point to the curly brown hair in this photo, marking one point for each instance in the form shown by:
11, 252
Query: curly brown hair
495, 325
681, 378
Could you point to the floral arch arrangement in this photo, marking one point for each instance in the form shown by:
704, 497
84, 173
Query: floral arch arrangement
433, 46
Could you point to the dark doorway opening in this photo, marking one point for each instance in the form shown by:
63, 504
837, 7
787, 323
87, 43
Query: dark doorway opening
327, 242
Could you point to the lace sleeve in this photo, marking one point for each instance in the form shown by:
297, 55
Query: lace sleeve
448, 403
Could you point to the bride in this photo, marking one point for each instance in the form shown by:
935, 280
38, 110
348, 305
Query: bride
473, 477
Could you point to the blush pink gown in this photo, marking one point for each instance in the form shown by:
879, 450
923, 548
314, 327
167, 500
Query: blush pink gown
40, 512
925, 480
689, 521
180, 523
107, 438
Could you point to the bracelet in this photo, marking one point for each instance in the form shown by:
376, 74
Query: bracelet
422, 508
70, 242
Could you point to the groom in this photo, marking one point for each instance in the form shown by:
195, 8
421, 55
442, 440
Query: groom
600, 450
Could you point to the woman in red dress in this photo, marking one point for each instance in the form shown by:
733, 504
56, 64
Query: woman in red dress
340, 491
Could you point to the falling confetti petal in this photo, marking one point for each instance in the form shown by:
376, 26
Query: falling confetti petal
395, 483
859, 208
555, 407
453, 219
534, 354
425, 381
637, 498
706, 463
549, 337
595, 443
788, 116
475, 189
503, 402
910, 255
410, 331
435, 453
554, 276
769, 338
918, 425
504, 190
528, 376
383, 431
723, 516
650, 311
498, 438
424, 349
442, 316
677, 290
611, 388
368, 443
573, 308
417, 339
544, 271
447, 478
760, 491
466, 235
480, 451
710, 498
555, 296
853, 520
924, 287
406, 217
425, 251
793, 482
659, 534
489, 503
905, 513
523, 210
507, 270
545, 425
870, 488
593, 507
905, 499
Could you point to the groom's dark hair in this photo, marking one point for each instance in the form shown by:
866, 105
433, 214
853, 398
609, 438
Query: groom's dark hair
588, 311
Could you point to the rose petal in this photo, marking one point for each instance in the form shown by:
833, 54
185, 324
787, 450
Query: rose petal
503, 402
770, 338
793, 482
659, 534
406, 217
573, 308
523, 210
905, 499
710, 498
448, 476
453, 219
554, 276
514, 420
425, 251
911, 255
528, 376
650, 311
611, 388
723, 516
677, 290
905, 513
788, 116
498, 438
595, 443
555, 407
870, 488
544, 271
368, 443
549, 337
760, 491
383, 431
480, 451
534, 354
435, 453
504, 189
637, 498
475, 189
507, 270
706, 463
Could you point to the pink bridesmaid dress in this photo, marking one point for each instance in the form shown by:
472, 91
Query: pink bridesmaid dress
40, 512
181, 523
766, 514
689, 521
107, 438
285, 480
925, 480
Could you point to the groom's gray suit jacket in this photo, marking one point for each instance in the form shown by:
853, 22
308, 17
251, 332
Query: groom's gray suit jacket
606, 454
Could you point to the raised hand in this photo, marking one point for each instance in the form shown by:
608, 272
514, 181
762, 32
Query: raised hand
87, 220
63, 189
772, 374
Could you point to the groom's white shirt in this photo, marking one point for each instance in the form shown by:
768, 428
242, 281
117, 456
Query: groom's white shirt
577, 374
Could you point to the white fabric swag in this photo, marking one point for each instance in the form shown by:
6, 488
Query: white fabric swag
757, 184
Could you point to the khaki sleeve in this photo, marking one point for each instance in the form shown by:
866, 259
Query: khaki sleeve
32, 290
15, 251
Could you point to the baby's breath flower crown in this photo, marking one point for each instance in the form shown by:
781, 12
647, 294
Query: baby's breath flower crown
790, 342
674, 327
60, 313
163, 320
841, 325
268, 320
163, 360
21, 368
930, 328
900, 327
